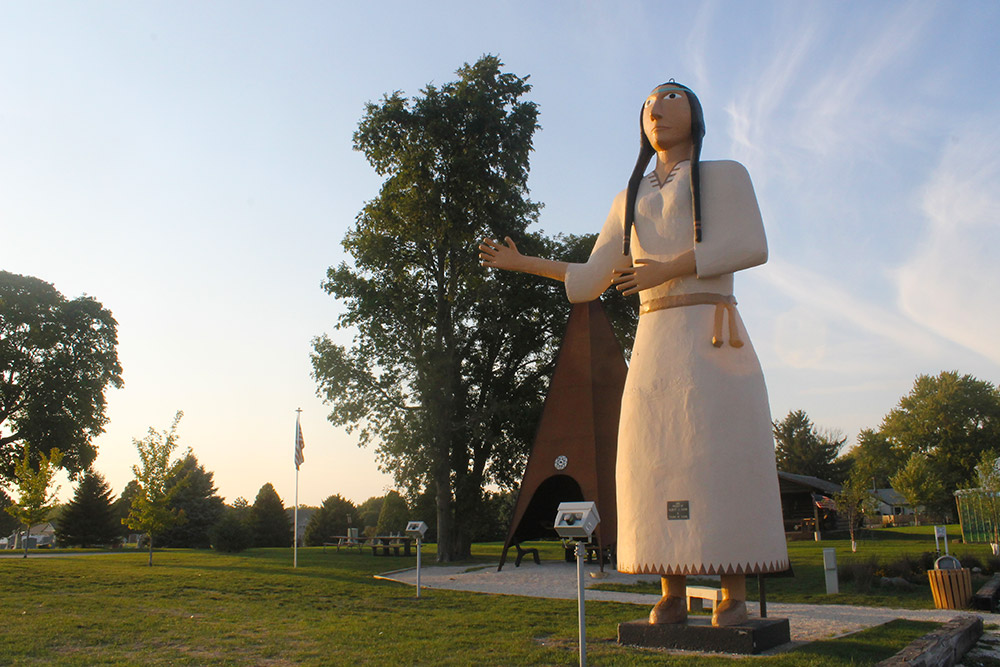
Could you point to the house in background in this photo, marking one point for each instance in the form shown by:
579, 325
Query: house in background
807, 502
40, 536
893, 507
305, 513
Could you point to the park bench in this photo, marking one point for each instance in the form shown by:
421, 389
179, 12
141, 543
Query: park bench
522, 552
696, 596
987, 596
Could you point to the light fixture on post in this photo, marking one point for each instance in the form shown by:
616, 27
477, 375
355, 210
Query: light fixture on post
577, 521
416, 530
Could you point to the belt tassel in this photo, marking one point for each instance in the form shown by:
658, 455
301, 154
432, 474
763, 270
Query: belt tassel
724, 304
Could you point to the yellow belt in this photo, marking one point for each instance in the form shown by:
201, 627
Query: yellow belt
723, 304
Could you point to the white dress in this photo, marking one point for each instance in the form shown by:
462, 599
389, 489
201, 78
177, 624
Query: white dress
696, 478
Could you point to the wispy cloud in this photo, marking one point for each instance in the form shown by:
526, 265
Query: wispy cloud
818, 301
949, 284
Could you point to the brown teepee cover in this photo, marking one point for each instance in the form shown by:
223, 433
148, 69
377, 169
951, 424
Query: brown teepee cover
573, 456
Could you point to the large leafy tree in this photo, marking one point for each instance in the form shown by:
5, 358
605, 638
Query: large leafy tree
270, 524
920, 484
192, 493
35, 499
952, 419
57, 357
802, 449
151, 512
449, 364
874, 459
90, 518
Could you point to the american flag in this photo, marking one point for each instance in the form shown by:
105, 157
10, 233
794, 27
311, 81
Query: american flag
300, 444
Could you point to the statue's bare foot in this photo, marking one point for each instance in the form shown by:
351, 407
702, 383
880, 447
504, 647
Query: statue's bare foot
670, 609
729, 612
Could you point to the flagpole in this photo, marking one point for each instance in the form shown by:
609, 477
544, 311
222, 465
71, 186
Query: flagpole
295, 530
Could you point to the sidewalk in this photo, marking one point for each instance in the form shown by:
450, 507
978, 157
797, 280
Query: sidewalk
808, 622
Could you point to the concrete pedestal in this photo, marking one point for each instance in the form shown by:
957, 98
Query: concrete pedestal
753, 636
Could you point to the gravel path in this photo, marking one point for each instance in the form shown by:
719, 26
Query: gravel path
808, 622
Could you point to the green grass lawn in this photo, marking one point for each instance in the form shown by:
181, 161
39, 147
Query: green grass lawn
885, 546
195, 608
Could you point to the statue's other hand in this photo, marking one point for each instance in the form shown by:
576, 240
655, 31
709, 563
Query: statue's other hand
643, 274
499, 255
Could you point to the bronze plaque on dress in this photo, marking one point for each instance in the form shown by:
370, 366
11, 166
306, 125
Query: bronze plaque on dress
678, 509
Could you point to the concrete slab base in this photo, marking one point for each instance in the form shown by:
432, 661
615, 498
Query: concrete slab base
753, 636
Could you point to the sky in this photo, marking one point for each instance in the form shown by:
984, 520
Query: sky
190, 165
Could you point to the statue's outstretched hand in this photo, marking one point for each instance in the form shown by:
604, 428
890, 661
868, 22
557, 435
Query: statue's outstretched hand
500, 256
643, 274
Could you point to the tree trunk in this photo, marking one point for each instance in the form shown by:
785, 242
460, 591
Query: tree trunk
150, 549
27, 532
446, 525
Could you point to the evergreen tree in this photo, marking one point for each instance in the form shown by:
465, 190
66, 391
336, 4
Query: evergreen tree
802, 450
232, 533
7, 521
90, 519
269, 522
334, 517
192, 493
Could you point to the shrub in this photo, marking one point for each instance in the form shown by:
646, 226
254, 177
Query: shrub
230, 534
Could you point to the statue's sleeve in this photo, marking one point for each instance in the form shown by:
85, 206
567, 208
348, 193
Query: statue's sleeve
586, 282
732, 229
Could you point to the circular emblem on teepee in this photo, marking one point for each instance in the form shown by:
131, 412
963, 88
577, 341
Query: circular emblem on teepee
561, 462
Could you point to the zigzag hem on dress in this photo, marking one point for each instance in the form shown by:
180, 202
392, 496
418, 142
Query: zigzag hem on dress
739, 568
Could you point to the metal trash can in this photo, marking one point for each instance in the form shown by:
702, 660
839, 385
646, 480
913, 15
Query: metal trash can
951, 584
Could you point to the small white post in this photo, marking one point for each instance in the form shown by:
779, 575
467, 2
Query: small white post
418, 567
830, 568
580, 553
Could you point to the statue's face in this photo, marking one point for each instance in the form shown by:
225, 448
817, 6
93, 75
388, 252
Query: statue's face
666, 117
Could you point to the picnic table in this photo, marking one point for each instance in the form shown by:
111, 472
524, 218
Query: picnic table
385, 543
345, 541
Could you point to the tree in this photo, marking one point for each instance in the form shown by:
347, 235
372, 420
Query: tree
952, 419
987, 479
34, 498
192, 493
368, 511
920, 484
802, 450
57, 357
333, 517
874, 459
233, 532
394, 515
448, 369
90, 518
7, 521
269, 522
124, 504
854, 500
150, 512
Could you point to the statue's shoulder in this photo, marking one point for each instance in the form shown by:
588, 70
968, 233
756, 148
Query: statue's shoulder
724, 168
